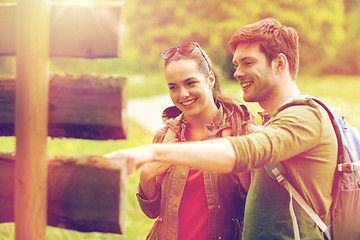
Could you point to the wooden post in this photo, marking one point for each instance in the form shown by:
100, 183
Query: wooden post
31, 115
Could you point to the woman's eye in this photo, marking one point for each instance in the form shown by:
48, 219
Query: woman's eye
172, 87
248, 63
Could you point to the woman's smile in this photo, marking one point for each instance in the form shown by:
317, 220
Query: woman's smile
188, 102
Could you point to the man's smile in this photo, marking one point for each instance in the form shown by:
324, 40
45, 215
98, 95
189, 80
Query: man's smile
245, 85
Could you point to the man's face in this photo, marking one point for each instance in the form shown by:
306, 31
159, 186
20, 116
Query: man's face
254, 73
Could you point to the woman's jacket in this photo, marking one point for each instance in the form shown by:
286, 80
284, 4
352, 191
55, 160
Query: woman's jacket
225, 196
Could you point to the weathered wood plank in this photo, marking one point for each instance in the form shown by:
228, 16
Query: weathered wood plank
85, 106
76, 29
7, 29
85, 193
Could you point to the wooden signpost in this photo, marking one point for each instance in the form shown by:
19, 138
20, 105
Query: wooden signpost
41, 30
31, 115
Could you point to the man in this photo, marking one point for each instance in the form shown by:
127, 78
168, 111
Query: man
299, 135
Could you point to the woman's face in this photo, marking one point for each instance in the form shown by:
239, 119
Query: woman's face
190, 89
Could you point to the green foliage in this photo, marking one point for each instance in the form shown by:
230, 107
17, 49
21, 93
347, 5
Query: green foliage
346, 60
324, 27
336, 91
138, 85
321, 24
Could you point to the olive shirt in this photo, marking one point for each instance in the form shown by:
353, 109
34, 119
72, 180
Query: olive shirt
301, 136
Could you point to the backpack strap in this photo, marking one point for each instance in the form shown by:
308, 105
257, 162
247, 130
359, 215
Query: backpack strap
332, 119
303, 204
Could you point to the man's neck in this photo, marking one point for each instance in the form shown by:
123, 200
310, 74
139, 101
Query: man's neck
274, 102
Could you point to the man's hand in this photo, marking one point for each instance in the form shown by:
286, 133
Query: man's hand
134, 157
137, 156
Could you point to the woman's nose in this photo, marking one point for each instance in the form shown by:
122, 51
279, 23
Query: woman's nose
184, 93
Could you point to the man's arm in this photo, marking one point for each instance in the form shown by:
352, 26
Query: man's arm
293, 131
213, 155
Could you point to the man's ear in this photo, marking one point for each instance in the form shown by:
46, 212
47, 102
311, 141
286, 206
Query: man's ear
281, 61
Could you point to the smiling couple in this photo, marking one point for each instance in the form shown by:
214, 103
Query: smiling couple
209, 182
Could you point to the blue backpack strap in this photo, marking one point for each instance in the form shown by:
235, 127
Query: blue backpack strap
269, 169
340, 135
281, 169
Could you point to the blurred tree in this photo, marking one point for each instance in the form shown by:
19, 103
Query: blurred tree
325, 27
347, 60
154, 25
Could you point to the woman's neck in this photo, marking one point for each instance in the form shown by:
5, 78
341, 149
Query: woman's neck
204, 117
195, 127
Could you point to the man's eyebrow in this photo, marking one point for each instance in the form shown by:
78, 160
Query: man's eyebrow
246, 58
242, 59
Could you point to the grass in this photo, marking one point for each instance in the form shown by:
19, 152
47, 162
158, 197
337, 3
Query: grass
336, 91
141, 86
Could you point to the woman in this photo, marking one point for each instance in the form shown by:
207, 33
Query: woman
192, 204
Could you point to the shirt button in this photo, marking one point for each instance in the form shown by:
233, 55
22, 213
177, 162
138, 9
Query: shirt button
220, 238
218, 206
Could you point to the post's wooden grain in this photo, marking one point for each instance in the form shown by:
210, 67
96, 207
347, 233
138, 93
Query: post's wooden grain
31, 115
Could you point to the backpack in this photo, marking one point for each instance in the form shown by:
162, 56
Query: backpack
345, 208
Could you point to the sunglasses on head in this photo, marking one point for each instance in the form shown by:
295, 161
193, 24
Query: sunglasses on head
184, 49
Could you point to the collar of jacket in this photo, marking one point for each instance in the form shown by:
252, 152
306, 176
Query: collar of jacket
175, 120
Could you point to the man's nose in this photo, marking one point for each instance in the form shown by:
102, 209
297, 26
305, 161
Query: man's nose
239, 73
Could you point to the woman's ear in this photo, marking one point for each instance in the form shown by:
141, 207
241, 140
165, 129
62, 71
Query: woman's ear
211, 79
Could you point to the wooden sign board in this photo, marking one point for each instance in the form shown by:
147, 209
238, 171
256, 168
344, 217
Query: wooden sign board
76, 30
84, 106
7, 29
85, 193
